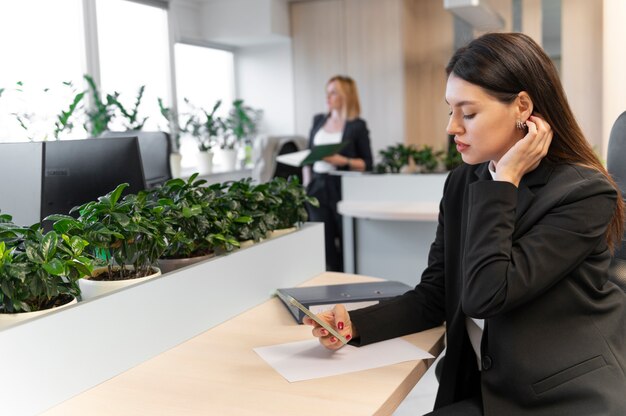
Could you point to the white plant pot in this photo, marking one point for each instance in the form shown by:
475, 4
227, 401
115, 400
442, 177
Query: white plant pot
169, 265
91, 288
9, 319
175, 164
205, 163
226, 159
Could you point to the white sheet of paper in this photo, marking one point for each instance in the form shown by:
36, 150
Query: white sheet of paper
294, 158
305, 360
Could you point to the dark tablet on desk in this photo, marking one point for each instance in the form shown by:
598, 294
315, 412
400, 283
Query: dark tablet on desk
352, 295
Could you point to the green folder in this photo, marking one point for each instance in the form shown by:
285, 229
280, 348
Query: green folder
321, 151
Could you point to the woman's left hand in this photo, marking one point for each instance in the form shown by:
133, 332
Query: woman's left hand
336, 160
527, 153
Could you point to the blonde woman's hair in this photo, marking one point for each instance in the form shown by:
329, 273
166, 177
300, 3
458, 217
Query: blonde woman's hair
347, 88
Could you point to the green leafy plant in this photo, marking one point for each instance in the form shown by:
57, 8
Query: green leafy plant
120, 232
255, 220
426, 157
289, 202
64, 118
131, 116
393, 159
241, 124
39, 270
195, 227
101, 112
172, 123
204, 126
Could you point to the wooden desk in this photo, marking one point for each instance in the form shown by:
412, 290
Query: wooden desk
218, 373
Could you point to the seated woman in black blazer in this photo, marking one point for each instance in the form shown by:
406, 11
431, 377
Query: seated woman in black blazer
518, 270
340, 124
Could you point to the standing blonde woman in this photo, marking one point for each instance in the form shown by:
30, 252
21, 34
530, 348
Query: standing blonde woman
340, 124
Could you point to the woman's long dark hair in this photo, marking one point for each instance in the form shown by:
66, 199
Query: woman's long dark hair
505, 64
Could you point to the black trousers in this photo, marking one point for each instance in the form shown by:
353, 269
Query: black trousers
327, 190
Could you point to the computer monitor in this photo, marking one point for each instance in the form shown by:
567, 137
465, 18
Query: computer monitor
78, 171
155, 148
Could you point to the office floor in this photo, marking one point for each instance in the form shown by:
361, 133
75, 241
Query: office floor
422, 398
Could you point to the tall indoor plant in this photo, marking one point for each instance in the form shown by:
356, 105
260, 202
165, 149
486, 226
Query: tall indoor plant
205, 127
241, 126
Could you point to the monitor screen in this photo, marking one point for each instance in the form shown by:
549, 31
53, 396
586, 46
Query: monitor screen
78, 171
155, 154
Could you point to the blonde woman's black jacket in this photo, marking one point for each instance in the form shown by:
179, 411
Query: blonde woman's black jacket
533, 262
327, 188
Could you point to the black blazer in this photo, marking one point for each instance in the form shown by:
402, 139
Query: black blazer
533, 262
327, 188
355, 133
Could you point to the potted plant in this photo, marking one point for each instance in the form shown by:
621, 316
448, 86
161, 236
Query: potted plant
204, 127
256, 220
132, 122
426, 159
289, 204
38, 271
195, 228
394, 159
101, 112
174, 130
124, 235
240, 127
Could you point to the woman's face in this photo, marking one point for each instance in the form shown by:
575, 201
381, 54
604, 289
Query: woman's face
483, 127
334, 99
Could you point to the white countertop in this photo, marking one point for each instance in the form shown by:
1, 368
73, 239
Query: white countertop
392, 211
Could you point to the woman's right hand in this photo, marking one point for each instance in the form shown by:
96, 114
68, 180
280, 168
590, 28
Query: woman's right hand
338, 318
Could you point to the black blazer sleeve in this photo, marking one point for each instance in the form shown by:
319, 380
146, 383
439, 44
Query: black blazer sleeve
357, 135
418, 309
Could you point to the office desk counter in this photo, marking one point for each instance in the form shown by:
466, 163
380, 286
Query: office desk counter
391, 211
218, 373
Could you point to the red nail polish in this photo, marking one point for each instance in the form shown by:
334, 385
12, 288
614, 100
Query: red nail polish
348, 337
333, 339
340, 325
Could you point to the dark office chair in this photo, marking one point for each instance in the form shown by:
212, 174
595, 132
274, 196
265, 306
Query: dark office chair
617, 168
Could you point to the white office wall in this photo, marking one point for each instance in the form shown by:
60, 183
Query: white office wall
581, 64
245, 22
614, 62
264, 79
185, 20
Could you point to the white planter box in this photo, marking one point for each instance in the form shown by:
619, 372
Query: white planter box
56, 356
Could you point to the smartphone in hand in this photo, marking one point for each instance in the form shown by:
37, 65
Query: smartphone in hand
291, 301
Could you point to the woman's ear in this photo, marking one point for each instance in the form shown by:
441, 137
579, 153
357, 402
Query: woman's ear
524, 106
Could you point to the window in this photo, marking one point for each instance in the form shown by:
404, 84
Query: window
203, 76
134, 52
42, 50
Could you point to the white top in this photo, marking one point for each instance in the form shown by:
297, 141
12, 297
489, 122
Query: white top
475, 327
324, 137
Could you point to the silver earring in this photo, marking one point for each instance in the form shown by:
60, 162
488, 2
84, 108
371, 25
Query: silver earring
520, 125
